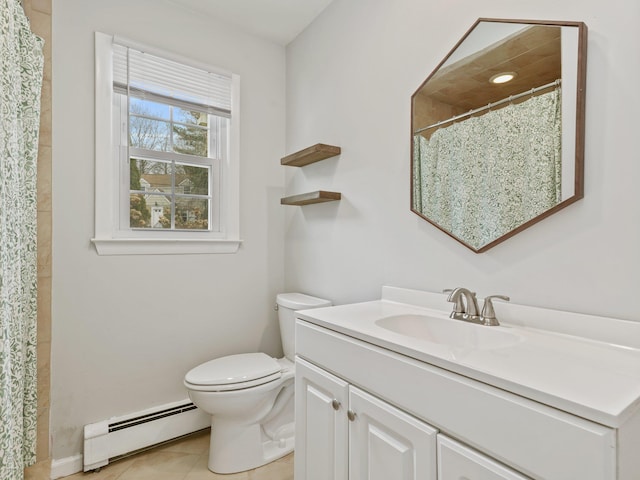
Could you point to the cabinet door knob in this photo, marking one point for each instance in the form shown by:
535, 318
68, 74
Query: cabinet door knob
351, 415
335, 404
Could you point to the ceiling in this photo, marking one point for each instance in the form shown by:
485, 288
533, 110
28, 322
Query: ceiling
277, 20
534, 53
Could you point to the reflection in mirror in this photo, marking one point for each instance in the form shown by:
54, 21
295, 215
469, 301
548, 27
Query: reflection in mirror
498, 130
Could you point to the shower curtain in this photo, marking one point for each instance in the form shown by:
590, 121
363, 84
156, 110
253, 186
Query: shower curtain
481, 178
21, 62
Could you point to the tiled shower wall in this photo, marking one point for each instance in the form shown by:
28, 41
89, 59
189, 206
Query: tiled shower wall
39, 13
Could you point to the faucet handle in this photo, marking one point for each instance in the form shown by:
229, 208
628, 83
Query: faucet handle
488, 312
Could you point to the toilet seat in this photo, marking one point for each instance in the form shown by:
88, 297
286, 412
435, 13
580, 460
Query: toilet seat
234, 372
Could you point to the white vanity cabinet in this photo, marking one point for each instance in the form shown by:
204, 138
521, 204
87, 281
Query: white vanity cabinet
547, 395
461, 428
343, 433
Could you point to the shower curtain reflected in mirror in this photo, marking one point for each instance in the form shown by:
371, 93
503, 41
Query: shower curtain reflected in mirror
485, 176
21, 62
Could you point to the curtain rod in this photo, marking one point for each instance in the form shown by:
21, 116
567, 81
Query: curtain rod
555, 83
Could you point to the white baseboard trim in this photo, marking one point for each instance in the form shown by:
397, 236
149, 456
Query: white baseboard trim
66, 466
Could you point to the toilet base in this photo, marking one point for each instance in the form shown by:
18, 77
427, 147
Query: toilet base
236, 448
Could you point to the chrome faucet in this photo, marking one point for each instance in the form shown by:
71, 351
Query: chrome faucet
467, 310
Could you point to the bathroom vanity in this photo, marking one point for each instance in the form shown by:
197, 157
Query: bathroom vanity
394, 389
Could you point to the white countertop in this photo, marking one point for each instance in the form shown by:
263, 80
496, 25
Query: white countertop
593, 379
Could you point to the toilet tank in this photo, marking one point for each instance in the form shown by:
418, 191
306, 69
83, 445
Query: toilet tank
287, 304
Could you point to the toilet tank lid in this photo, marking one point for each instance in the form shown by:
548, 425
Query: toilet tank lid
300, 301
231, 369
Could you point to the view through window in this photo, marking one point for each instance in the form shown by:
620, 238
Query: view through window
171, 191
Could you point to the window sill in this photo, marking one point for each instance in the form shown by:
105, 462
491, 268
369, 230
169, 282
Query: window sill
143, 246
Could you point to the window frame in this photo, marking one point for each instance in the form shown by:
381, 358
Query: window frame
110, 237
213, 162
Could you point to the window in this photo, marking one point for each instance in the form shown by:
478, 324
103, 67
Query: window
171, 150
166, 153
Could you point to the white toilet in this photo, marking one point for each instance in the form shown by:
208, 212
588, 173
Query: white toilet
250, 398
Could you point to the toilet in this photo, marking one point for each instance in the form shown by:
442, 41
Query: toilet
250, 397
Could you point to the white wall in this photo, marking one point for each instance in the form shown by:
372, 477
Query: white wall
127, 328
350, 77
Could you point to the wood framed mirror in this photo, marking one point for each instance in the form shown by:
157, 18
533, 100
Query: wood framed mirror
498, 130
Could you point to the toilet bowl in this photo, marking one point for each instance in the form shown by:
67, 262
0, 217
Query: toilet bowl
250, 398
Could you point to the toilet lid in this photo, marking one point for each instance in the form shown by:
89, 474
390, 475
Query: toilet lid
241, 368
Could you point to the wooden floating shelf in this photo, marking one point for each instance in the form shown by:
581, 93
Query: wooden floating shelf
312, 197
310, 155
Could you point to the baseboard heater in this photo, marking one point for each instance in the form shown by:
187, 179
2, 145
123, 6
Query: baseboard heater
118, 436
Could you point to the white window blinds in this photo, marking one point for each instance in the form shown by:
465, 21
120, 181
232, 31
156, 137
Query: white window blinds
153, 77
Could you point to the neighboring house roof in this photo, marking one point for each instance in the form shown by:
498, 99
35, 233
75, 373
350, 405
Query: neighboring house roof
160, 200
164, 179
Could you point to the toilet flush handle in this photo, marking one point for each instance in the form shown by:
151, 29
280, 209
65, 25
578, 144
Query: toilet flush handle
276, 307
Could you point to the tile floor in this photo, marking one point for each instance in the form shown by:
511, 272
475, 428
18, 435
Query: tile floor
184, 459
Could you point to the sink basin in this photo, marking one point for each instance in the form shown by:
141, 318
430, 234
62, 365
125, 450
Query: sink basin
448, 332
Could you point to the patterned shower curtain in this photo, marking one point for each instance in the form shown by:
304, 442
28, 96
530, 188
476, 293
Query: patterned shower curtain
21, 62
481, 178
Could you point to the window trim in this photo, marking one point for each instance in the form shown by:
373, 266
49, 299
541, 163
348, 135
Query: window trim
109, 239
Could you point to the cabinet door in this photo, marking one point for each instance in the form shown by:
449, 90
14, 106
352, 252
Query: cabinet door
321, 424
386, 443
457, 462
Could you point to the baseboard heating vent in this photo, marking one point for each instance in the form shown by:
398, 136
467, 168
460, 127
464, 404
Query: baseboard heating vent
119, 436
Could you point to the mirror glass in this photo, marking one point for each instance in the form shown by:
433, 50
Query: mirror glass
498, 130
